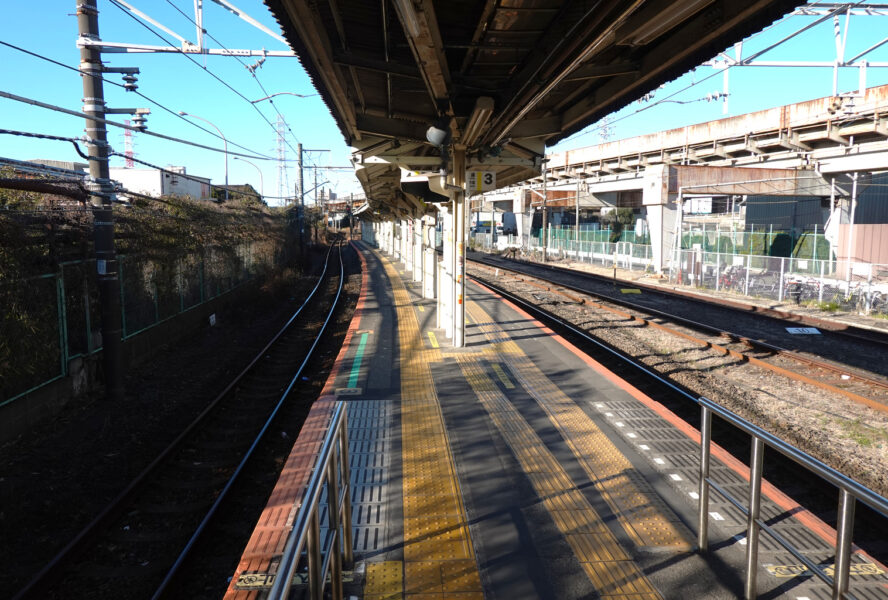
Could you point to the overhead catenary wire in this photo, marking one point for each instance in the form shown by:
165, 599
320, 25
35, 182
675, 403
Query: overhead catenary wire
241, 61
136, 92
212, 74
597, 128
310, 159
44, 136
206, 70
81, 115
112, 152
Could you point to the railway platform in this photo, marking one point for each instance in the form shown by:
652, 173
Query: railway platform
517, 467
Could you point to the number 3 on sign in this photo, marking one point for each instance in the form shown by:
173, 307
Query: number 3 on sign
481, 181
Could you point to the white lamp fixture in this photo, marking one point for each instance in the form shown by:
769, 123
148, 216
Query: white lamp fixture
661, 22
438, 134
477, 120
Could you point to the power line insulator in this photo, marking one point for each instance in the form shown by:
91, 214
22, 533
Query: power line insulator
129, 82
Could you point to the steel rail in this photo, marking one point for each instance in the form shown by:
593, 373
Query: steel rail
249, 453
850, 330
754, 344
41, 578
850, 490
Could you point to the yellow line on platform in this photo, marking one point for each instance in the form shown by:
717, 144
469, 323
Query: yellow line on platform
438, 553
502, 376
433, 339
607, 565
639, 509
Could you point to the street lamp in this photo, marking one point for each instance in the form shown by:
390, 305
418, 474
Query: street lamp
258, 170
185, 114
282, 93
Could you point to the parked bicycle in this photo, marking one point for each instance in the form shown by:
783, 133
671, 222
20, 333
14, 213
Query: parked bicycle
801, 289
766, 283
733, 279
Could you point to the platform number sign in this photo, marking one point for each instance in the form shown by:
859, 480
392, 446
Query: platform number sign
481, 181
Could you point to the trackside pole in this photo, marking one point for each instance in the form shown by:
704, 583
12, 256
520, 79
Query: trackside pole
101, 198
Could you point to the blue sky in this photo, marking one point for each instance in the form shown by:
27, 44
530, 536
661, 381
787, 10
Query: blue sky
681, 103
49, 28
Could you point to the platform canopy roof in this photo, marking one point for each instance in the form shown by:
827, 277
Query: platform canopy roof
505, 78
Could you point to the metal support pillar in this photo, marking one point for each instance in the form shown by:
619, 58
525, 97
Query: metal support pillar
390, 238
334, 526
705, 454
446, 294
459, 247
844, 534
101, 198
315, 560
404, 242
752, 527
300, 201
544, 238
852, 209
430, 259
417, 249
577, 226
408, 245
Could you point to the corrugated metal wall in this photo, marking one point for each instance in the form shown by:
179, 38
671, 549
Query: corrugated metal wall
872, 201
786, 213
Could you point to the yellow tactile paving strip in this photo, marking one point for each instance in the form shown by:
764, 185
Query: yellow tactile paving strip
607, 565
439, 560
384, 581
644, 517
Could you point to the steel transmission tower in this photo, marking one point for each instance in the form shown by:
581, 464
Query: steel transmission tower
283, 182
128, 146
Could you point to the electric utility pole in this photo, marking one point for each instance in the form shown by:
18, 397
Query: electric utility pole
101, 196
300, 201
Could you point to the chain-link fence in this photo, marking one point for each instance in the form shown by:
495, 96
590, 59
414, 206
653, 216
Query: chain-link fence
828, 284
759, 241
721, 261
52, 319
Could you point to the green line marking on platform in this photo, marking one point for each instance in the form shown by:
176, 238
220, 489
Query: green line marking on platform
356, 364
630, 290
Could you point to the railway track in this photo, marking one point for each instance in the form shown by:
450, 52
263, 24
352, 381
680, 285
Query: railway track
139, 542
848, 381
847, 331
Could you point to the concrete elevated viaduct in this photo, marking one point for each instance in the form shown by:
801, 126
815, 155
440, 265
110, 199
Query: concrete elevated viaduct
806, 149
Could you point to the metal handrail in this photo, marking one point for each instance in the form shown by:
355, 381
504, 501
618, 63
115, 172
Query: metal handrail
331, 469
850, 493
850, 489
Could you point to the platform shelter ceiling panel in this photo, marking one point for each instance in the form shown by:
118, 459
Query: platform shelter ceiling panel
506, 77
